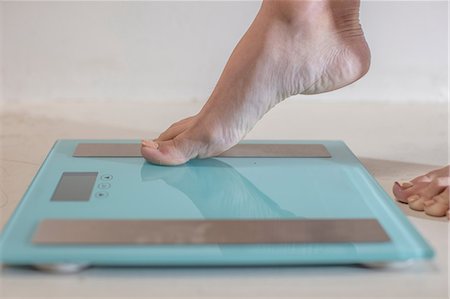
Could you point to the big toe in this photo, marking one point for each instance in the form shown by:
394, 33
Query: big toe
170, 152
399, 190
402, 192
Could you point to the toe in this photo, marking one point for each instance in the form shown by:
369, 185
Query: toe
437, 173
435, 187
438, 206
170, 152
441, 172
171, 132
423, 178
425, 189
175, 129
399, 190
416, 202
402, 194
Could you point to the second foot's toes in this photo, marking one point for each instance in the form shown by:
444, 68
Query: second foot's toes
420, 194
429, 193
438, 205
426, 189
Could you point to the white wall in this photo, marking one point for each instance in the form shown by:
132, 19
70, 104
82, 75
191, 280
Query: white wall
175, 51
1, 53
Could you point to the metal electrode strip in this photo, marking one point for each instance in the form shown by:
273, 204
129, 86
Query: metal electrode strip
239, 150
236, 231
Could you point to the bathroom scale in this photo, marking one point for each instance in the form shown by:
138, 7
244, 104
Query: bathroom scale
99, 203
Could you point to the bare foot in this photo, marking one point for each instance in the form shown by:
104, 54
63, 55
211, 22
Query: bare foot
292, 47
429, 192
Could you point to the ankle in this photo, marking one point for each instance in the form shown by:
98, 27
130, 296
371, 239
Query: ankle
314, 15
295, 12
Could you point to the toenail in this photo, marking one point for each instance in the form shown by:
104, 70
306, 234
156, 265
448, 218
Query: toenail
413, 198
151, 144
406, 184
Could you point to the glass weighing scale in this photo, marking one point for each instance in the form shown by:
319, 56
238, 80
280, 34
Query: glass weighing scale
98, 202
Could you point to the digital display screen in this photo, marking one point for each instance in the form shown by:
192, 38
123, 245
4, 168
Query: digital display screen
75, 186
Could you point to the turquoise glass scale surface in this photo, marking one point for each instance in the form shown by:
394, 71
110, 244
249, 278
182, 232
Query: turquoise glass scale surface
216, 188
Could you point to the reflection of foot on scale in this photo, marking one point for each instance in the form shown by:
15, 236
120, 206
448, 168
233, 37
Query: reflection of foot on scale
97, 202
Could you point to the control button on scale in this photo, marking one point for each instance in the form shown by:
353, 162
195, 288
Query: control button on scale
104, 186
106, 177
101, 194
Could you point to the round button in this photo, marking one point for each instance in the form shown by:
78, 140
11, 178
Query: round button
104, 186
106, 177
101, 194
